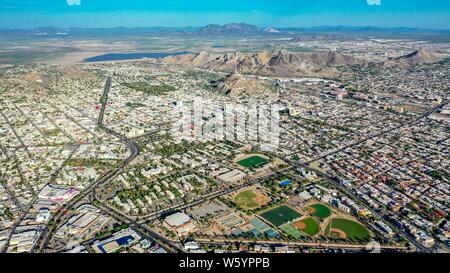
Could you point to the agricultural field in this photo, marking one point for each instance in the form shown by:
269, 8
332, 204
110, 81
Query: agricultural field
308, 226
319, 210
280, 215
346, 229
253, 162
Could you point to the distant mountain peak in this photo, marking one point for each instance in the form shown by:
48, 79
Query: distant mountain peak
271, 30
230, 29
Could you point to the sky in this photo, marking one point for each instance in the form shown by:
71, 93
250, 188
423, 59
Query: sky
428, 14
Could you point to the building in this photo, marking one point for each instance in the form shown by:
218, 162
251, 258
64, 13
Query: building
180, 222
120, 239
233, 176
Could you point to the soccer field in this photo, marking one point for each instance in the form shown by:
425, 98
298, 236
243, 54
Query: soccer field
253, 161
280, 215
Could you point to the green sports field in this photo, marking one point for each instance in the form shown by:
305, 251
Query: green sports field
352, 229
253, 162
320, 211
246, 200
280, 215
291, 230
308, 226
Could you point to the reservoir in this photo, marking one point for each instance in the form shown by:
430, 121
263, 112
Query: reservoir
132, 56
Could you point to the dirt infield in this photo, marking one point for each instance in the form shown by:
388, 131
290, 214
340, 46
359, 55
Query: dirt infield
262, 199
342, 234
300, 225
308, 226
250, 198
311, 210
319, 210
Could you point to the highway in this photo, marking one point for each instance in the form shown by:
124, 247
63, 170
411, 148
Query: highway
60, 216
104, 100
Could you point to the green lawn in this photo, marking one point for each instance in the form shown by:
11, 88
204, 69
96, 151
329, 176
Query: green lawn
312, 227
354, 230
253, 162
245, 199
280, 215
322, 211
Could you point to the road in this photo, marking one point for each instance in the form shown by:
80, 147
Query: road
104, 100
294, 244
377, 134
60, 215
155, 215
350, 193
145, 231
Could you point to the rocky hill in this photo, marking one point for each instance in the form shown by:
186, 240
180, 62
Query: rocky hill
421, 56
278, 63
236, 84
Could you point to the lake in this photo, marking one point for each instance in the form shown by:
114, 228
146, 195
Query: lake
132, 56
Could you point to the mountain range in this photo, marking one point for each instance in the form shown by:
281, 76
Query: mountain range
277, 63
232, 29
282, 63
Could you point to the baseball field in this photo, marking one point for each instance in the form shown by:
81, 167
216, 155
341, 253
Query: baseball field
346, 229
248, 199
319, 210
308, 226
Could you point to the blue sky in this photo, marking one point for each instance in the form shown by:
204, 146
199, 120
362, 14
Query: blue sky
176, 13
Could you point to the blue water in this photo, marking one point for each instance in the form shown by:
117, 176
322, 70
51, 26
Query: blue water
125, 240
286, 182
132, 56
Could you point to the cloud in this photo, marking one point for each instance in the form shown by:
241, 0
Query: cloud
374, 2
74, 2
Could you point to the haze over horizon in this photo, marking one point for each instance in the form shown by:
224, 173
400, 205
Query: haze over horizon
264, 13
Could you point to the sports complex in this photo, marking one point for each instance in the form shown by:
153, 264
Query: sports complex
319, 219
